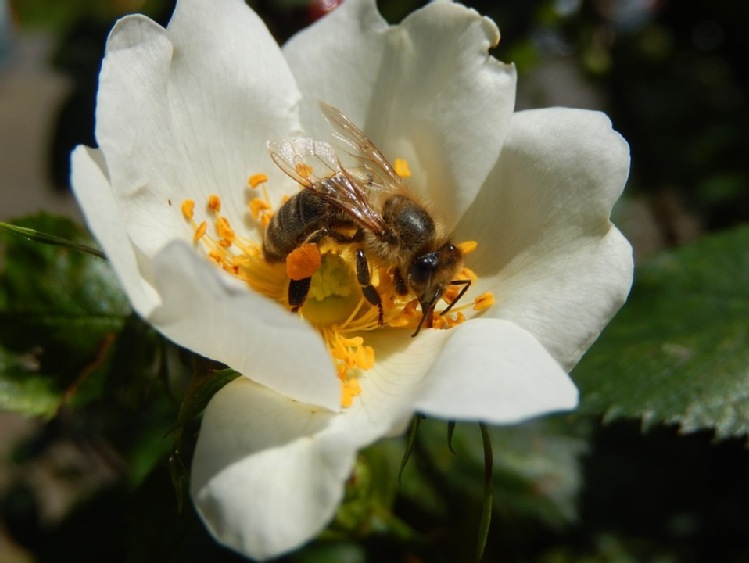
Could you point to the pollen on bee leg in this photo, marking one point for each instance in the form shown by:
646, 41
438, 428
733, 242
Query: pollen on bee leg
188, 208
401, 168
214, 203
303, 261
483, 301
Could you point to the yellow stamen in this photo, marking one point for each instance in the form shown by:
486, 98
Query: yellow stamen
224, 230
483, 301
401, 168
200, 232
214, 203
256, 179
188, 208
303, 261
258, 207
468, 246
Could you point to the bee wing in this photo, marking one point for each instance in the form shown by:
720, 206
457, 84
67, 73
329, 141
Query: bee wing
304, 160
345, 191
364, 149
315, 165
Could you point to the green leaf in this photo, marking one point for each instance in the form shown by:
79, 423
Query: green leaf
678, 351
60, 312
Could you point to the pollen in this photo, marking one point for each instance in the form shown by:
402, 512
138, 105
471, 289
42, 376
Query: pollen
188, 208
303, 262
200, 232
401, 168
258, 207
256, 179
224, 230
214, 203
483, 301
468, 246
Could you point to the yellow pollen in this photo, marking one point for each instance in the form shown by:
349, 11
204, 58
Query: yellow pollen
258, 207
483, 301
188, 208
214, 203
200, 232
350, 388
303, 261
304, 170
468, 246
401, 168
224, 230
256, 179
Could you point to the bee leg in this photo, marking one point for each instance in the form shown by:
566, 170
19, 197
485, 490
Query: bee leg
466, 284
298, 290
368, 290
400, 283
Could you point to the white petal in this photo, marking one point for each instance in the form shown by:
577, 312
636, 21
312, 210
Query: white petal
425, 90
547, 250
495, 372
269, 473
94, 194
186, 112
214, 315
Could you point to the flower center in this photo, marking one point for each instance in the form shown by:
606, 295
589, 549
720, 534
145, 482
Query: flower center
335, 303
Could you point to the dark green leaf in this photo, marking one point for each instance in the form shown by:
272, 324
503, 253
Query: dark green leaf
60, 312
678, 352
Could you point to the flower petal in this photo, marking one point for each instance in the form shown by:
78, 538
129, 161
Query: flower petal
496, 372
94, 194
217, 316
547, 249
269, 473
186, 112
448, 119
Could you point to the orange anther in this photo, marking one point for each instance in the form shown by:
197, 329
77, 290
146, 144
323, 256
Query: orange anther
188, 208
256, 179
214, 203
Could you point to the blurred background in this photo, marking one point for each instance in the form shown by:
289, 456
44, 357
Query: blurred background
672, 75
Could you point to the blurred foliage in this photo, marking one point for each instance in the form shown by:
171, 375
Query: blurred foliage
673, 77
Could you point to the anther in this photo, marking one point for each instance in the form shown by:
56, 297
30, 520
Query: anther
214, 203
188, 208
483, 301
401, 168
199, 232
256, 179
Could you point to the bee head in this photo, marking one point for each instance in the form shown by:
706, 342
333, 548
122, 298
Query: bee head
428, 275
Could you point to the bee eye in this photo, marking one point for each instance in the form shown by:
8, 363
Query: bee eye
422, 268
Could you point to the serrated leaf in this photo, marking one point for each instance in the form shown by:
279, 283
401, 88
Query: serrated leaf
678, 351
60, 310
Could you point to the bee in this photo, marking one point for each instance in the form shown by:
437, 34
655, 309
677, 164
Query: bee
390, 226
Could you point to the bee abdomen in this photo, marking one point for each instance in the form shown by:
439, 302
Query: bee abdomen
293, 223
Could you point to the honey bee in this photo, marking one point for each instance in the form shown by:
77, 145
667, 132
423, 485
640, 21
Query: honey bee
390, 226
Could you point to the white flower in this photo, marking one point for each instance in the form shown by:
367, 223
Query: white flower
185, 112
